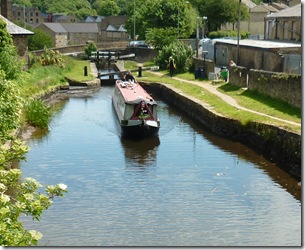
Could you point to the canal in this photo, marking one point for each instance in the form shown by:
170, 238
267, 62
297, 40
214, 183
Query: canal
184, 188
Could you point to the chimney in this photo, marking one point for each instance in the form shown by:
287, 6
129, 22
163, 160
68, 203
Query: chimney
6, 9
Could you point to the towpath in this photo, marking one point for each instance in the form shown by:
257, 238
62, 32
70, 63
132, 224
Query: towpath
207, 85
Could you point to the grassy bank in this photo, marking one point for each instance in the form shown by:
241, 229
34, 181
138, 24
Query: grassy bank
42, 79
246, 98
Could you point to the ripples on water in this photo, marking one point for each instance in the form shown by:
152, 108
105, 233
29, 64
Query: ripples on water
184, 188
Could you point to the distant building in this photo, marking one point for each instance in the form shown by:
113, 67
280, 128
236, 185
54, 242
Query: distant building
64, 34
27, 15
257, 13
111, 27
285, 25
61, 18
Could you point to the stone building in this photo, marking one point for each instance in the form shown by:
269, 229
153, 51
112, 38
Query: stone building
19, 34
111, 28
64, 34
258, 54
284, 25
27, 15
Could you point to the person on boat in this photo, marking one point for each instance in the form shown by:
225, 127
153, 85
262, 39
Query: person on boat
171, 65
129, 77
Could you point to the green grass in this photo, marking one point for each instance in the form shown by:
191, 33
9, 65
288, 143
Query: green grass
76, 70
246, 98
263, 103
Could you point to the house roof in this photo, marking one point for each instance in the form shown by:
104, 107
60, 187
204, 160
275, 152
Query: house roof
122, 28
260, 43
14, 29
294, 11
248, 3
264, 8
92, 19
81, 27
56, 27
279, 6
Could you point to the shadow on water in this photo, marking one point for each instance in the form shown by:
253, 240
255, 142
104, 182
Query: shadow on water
140, 153
243, 152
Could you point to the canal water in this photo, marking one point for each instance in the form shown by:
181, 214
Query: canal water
183, 188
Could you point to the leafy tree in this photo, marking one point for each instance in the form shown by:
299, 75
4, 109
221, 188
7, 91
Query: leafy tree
160, 14
160, 37
39, 40
107, 7
90, 48
220, 12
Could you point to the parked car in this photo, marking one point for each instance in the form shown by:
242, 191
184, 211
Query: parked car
141, 44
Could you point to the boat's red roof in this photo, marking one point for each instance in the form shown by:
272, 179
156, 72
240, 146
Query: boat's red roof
132, 92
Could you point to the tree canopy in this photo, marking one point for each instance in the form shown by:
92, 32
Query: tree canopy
148, 15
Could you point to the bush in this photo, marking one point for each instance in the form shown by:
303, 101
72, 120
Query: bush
90, 48
181, 53
51, 57
228, 33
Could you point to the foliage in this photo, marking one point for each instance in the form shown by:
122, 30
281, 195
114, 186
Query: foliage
220, 12
160, 37
10, 106
228, 33
181, 53
156, 14
38, 113
40, 40
106, 7
24, 200
9, 59
51, 57
17, 197
90, 48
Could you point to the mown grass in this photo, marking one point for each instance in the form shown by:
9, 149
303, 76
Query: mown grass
246, 98
76, 70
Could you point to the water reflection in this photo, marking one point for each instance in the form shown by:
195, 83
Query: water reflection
245, 153
140, 153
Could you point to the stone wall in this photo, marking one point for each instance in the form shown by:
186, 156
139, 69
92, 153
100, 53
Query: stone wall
278, 145
282, 86
238, 76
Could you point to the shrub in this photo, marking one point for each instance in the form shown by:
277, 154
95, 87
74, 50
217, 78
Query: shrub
181, 53
38, 113
51, 57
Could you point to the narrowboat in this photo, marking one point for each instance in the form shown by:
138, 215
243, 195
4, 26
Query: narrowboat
136, 110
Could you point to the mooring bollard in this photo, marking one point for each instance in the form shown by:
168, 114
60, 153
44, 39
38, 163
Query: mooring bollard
140, 72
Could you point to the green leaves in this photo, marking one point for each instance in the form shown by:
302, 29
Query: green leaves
25, 199
19, 197
38, 113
